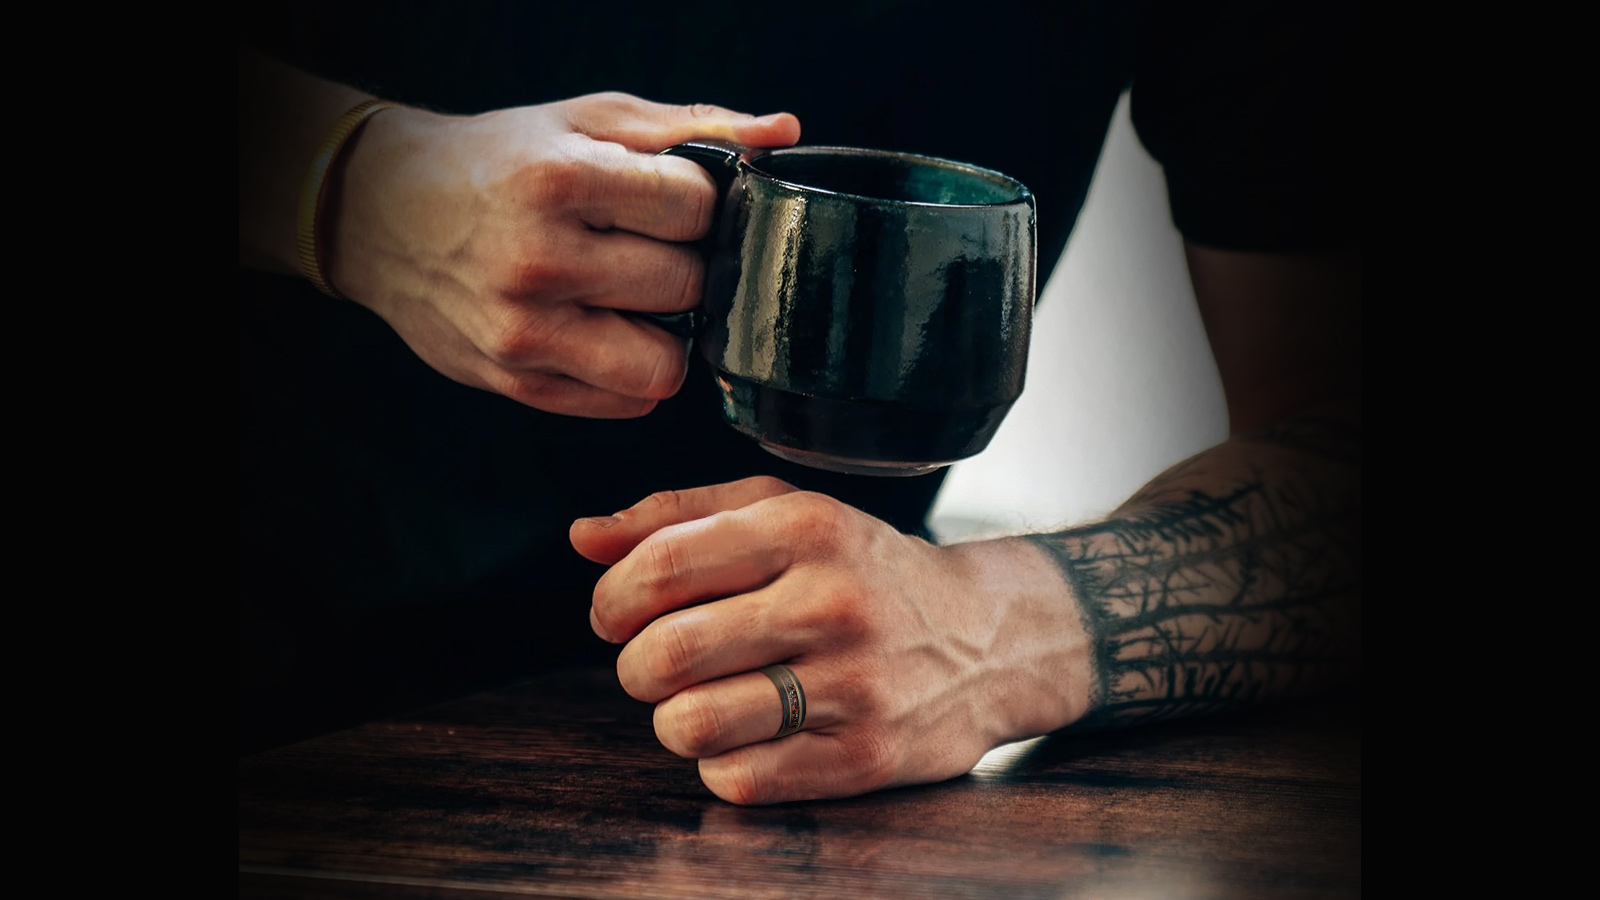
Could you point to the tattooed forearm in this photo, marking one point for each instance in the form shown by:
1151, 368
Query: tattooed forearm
1232, 578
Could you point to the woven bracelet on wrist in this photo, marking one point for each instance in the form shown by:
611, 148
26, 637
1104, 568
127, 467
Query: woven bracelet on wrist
314, 195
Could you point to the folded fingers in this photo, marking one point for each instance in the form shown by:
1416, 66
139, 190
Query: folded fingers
712, 718
711, 641
607, 539
729, 553
811, 765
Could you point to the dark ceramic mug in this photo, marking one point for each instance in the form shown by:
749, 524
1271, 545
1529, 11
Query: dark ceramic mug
864, 311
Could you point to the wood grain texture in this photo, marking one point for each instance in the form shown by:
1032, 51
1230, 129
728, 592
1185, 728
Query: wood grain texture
557, 788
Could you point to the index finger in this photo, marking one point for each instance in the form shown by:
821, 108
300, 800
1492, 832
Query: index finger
647, 126
607, 539
723, 555
667, 198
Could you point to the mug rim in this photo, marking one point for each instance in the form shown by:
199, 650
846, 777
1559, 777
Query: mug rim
751, 162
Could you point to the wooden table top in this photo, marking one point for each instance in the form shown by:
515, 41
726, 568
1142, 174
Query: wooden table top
556, 787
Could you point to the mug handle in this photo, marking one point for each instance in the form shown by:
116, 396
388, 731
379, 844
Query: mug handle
721, 159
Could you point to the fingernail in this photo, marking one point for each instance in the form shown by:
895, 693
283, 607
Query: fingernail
768, 119
600, 521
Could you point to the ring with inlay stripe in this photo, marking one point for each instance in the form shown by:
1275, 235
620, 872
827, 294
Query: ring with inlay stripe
791, 695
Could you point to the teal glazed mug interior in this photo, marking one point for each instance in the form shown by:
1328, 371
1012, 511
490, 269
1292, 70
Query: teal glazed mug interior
865, 311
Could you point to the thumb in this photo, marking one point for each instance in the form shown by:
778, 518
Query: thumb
649, 127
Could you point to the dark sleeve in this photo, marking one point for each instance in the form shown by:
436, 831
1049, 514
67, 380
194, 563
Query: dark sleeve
1251, 110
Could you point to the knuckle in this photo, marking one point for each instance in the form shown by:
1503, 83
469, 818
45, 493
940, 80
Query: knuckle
639, 670
608, 621
688, 725
630, 674
846, 615
769, 485
682, 277
520, 335
662, 504
667, 372
860, 699
818, 509
672, 654
698, 202
612, 101
648, 375
662, 563
604, 604
528, 388
816, 519
736, 782
559, 180
870, 757
528, 274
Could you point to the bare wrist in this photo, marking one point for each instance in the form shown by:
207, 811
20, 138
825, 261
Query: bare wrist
1043, 662
369, 168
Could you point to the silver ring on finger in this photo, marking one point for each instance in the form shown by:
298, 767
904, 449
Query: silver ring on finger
791, 695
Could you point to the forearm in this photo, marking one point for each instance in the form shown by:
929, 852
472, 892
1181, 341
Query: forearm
284, 115
1231, 579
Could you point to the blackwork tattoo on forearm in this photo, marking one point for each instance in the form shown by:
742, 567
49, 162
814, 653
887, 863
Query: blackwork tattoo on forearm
1208, 600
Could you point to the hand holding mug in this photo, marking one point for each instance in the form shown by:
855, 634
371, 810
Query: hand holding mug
866, 311
510, 249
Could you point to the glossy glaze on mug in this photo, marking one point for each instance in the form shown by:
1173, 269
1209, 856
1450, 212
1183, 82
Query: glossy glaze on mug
869, 311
